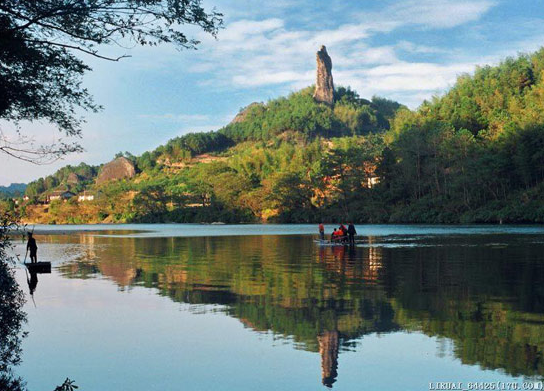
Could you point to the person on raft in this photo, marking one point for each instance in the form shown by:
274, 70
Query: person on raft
321, 231
344, 231
351, 233
337, 235
33, 248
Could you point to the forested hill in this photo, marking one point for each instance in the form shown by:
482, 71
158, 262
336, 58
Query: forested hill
475, 154
297, 116
13, 190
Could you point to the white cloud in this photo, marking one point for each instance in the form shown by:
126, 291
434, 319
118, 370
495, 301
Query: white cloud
269, 52
409, 83
242, 29
270, 78
415, 48
417, 69
438, 14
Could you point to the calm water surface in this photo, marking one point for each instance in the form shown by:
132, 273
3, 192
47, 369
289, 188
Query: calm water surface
124, 310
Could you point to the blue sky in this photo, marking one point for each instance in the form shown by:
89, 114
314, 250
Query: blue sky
406, 50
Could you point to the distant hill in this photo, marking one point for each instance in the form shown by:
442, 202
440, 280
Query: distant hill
13, 190
72, 178
474, 154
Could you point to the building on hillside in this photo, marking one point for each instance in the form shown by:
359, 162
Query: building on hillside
26, 198
85, 196
369, 180
372, 181
59, 195
370, 172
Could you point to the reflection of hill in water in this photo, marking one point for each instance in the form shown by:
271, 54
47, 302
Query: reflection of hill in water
488, 299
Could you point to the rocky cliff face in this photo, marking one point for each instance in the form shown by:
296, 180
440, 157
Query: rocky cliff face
117, 169
324, 87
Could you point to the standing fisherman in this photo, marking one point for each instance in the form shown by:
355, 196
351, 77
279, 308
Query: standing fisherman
33, 248
321, 231
351, 232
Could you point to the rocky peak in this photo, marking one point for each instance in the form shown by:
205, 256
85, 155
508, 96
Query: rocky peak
117, 169
324, 87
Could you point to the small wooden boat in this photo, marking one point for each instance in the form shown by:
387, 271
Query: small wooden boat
39, 267
327, 242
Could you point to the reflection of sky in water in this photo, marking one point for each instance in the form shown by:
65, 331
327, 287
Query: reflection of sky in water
109, 333
96, 336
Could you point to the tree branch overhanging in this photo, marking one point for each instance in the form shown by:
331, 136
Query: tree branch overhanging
90, 52
40, 74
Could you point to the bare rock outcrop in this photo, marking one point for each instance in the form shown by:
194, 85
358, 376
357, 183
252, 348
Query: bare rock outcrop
73, 179
324, 87
117, 169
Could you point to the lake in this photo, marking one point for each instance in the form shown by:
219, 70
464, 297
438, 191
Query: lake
194, 307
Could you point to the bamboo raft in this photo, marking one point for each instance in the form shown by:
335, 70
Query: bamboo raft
39, 267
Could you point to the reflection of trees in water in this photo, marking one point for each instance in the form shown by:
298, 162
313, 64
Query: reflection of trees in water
12, 319
488, 301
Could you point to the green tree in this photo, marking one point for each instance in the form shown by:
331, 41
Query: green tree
291, 194
347, 167
40, 72
149, 205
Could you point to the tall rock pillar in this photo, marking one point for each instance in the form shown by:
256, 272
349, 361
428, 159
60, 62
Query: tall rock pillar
324, 87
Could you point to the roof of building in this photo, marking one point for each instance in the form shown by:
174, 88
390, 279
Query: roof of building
59, 193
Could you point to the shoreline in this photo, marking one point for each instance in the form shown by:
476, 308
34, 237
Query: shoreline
210, 230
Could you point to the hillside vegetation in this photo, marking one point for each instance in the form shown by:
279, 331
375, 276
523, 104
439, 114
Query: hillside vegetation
475, 154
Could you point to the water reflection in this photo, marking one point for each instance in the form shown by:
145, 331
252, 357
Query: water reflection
483, 294
32, 282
